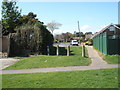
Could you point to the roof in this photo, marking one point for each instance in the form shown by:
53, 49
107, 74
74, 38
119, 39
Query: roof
115, 25
77, 38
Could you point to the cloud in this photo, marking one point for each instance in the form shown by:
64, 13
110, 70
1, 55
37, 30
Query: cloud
101, 27
86, 28
57, 31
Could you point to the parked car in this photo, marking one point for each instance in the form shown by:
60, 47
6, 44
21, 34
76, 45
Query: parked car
74, 42
87, 43
90, 43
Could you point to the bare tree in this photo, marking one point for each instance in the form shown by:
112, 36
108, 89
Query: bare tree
53, 25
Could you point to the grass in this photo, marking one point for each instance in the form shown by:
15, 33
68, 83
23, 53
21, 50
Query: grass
112, 59
75, 59
104, 78
18, 57
0, 82
60, 43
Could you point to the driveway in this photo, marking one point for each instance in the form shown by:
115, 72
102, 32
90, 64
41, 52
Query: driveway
5, 62
64, 44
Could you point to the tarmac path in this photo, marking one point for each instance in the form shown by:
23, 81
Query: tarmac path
5, 62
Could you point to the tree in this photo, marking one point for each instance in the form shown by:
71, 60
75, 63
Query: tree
63, 37
67, 36
30, 18
10, 16
88, 33
53, 25
0, 29
30, 39
77, 34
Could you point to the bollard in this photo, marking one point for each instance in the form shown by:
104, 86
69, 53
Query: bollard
83, 51
57, 50
48, 50
68, 50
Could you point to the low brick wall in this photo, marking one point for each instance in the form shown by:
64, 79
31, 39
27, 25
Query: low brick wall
3, 55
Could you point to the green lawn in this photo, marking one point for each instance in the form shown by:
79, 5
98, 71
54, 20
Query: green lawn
75, 59
112, 59
104, 78
0, 82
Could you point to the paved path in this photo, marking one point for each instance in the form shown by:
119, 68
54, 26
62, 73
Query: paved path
96, 59
5, 62
56, 69
97, 63
64, 45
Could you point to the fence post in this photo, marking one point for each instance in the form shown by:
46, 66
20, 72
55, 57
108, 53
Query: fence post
83, 50
9, 43
57, 50
48, 50
68, 50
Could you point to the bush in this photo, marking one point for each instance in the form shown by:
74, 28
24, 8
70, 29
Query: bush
30, 39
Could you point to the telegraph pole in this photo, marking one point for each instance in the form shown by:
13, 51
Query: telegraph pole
79, 30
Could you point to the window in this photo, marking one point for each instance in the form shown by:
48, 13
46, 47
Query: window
112, 28
114, 37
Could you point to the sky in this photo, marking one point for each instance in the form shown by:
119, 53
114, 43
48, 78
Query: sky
92, 16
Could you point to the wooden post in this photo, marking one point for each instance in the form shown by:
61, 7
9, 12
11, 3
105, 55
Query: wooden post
48, 50
83, 51
68, 50
8, 52
57, 50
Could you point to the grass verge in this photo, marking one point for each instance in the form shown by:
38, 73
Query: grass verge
104, 78
75, 59
110, 59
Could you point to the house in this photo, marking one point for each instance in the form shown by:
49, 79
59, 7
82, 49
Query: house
88, 35
77, 38
107, 40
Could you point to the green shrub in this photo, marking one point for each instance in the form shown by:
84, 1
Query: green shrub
30, 39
